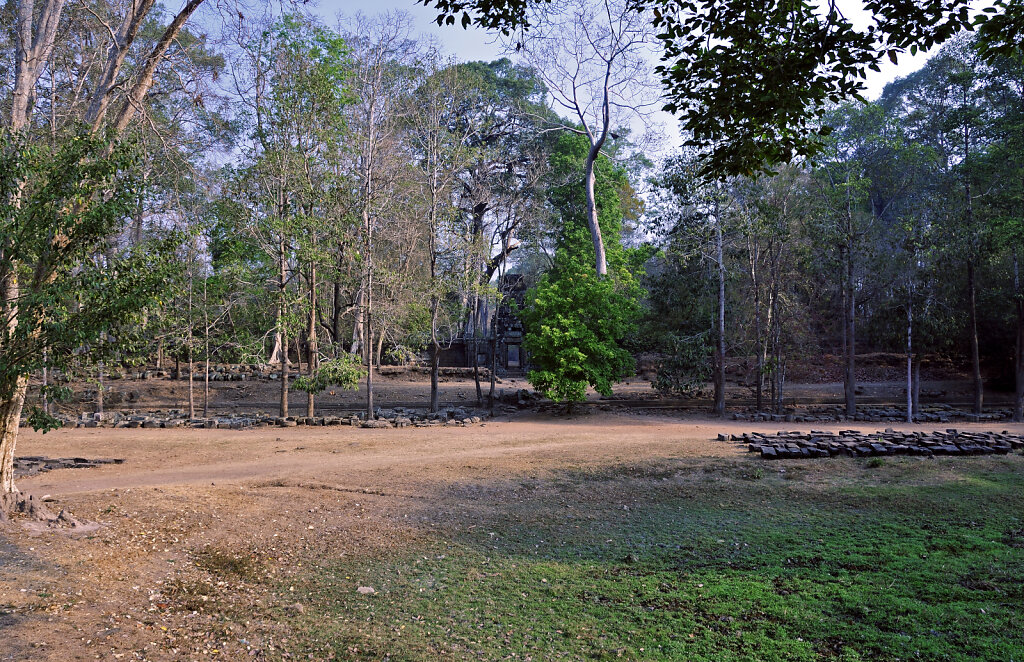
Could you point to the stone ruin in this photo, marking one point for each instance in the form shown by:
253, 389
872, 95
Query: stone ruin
853, 443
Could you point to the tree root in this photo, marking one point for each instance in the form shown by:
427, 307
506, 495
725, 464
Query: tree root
16, 504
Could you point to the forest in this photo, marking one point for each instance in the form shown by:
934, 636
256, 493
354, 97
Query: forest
267, 188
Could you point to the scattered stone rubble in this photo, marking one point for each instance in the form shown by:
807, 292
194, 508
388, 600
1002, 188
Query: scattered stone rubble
935, 413
853, 443
240, 372
30, 465
398, 417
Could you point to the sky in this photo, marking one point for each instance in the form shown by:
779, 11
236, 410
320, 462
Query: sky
476, 44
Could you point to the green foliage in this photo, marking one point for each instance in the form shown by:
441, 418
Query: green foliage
687, 368
307, 67
59, 207
575, 322
1001, 30
574, 326
344, 371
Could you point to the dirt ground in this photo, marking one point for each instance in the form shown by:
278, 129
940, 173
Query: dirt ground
143, 586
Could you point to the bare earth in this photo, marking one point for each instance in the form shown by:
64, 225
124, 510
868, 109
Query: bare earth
284, 499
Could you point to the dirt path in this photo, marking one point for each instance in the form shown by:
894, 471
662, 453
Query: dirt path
278, 498
366, 458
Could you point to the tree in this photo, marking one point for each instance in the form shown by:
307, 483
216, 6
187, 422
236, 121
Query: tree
574, 320
439, 142
944, 107
591, 55
295, 81
34, 41
1001, 170
503, 113
845, 220
692, 215
59, 207
748, 76
383, 54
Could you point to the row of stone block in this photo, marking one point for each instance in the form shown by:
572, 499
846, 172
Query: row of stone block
853, 443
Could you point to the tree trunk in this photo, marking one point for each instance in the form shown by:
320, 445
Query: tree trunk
476, 351
435, 362
282, 330
494, 361
117, 51
312, 355
592, 220
336, 319
191, 387
1018, 402
719, 407
435, 357
284, 374
368, 344
910, 360
979, 385
759, 377
357, 327
34, 39
206, 350
380, 346
46, 383
779, 407
850, 377
917, 384
191, 364
10, 419
99, 388
145, 76
206, 385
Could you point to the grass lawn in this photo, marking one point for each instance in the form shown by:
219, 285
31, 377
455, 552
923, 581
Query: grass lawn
916, 559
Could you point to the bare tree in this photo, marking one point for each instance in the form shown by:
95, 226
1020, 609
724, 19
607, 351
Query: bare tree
593, 56
439, 143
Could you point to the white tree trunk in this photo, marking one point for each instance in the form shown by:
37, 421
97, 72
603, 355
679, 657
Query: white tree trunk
592, 219
10, 417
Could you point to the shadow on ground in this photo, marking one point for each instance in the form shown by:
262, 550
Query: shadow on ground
697, 560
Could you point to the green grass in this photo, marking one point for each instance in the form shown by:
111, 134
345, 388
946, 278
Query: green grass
913, 560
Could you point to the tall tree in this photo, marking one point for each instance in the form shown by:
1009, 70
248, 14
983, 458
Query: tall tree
383, 53
439, 143
293, 74
592, 55
943, 106
35, 35
574, 321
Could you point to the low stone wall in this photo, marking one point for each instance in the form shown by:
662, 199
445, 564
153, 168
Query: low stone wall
398, 417
832, 414
853, 443
241, 372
